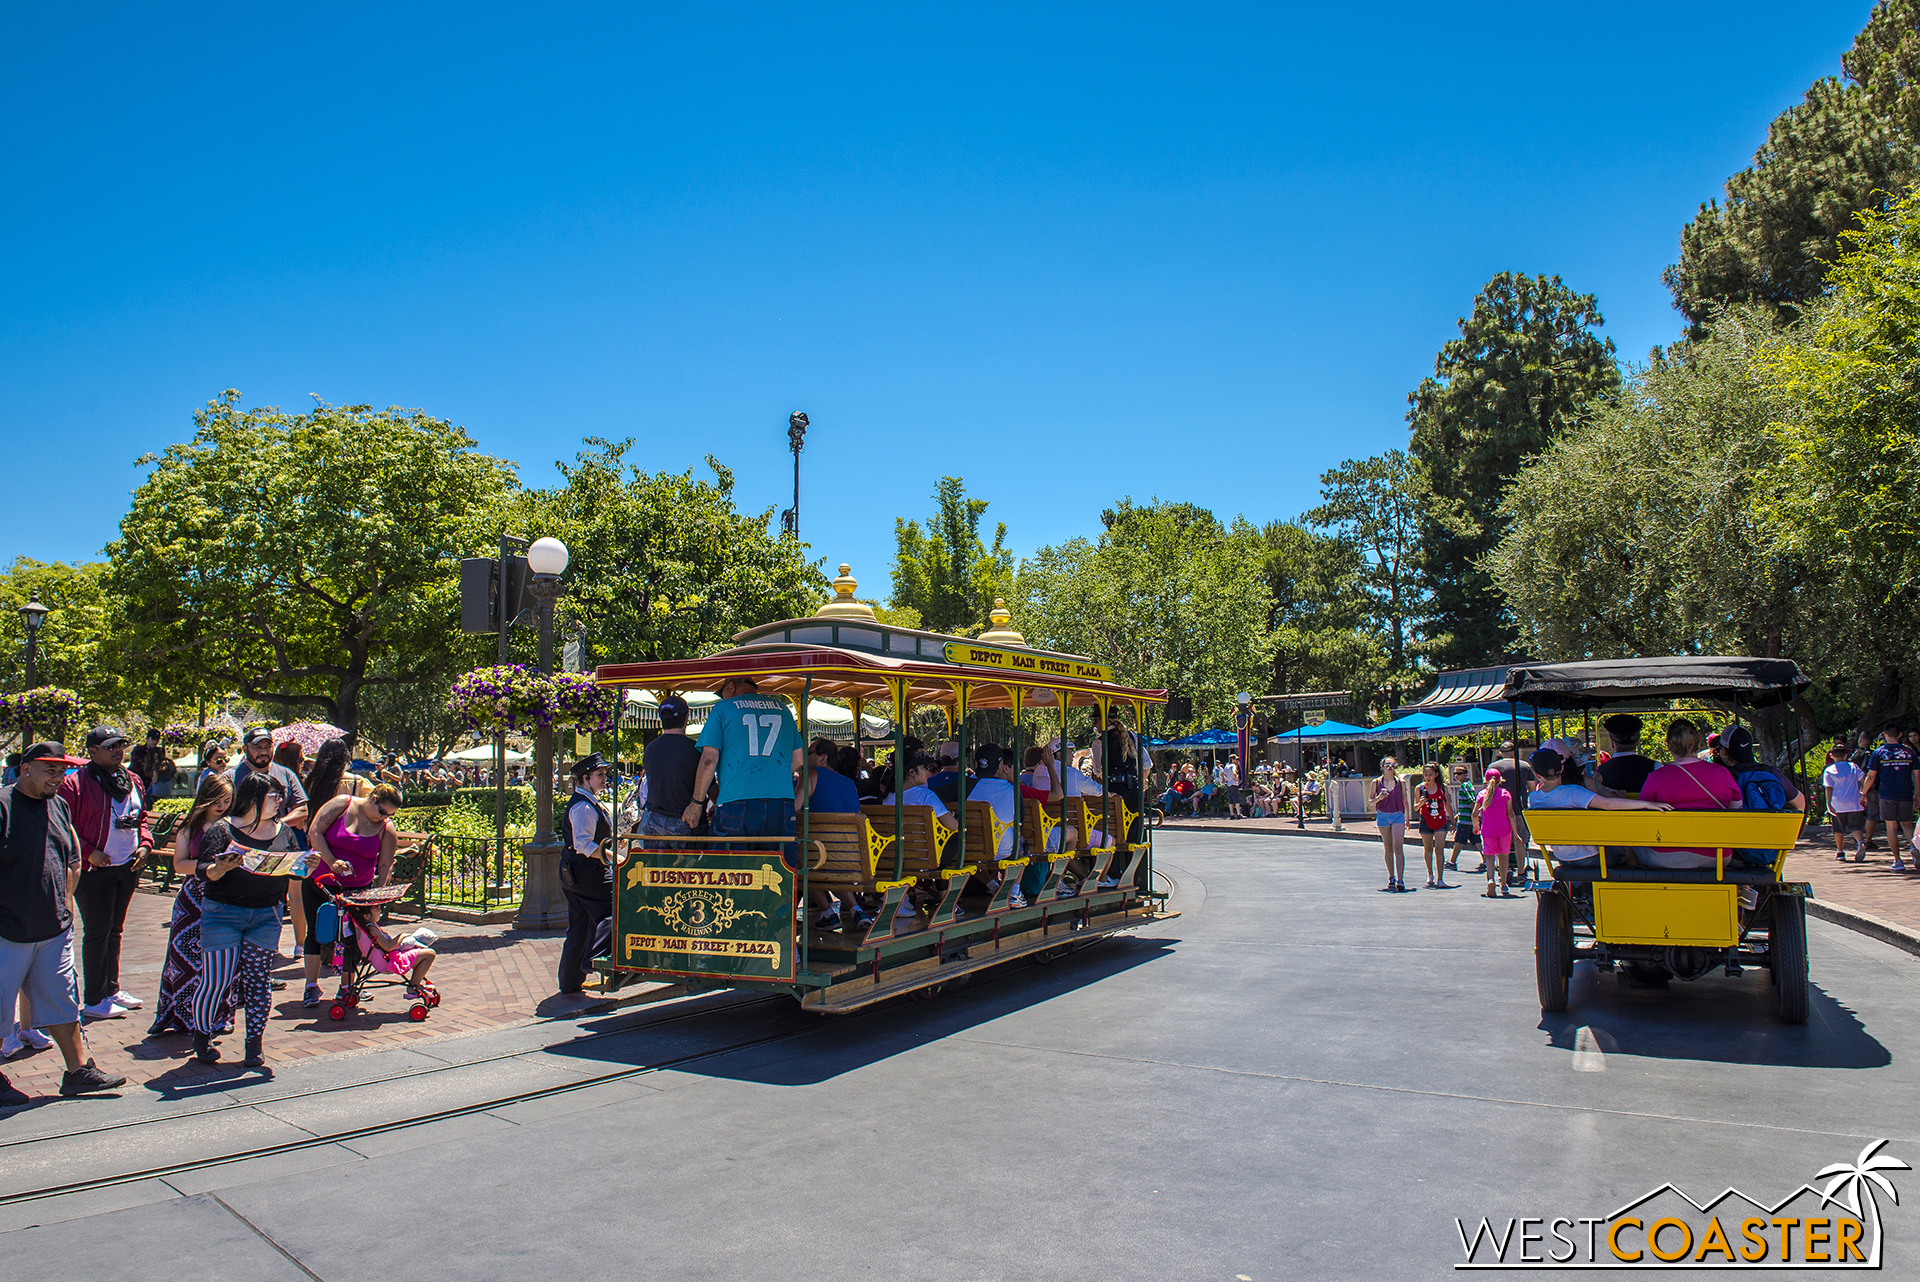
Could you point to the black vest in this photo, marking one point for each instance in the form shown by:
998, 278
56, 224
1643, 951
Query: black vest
587, 872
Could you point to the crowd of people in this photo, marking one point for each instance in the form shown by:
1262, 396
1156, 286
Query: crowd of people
267, 841
1708, 770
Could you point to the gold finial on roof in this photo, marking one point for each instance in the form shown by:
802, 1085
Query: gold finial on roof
1002, 632
843, 606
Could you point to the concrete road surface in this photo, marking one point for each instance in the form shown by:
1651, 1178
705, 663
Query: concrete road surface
1298, 1077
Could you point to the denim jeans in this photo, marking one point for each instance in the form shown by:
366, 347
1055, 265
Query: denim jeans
653, 823
758, 817
225, 926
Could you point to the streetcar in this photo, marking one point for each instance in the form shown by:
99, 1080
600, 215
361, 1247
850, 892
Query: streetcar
1664, 922
721, 912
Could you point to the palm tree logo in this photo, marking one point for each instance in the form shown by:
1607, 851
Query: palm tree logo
1860, 1176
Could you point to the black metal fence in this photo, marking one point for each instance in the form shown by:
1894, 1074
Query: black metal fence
469, 873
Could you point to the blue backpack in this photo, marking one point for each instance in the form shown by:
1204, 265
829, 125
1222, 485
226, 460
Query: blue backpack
1760, 789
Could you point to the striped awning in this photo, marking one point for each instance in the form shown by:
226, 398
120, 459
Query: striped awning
1464, 688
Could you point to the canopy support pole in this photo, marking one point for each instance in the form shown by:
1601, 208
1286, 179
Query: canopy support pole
806, 814
901, 710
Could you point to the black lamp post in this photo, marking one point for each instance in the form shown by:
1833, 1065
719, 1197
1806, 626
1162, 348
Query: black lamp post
796, 441
32, 615
543, 905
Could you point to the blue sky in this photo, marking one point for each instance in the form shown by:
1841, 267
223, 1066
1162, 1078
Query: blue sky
1068, 253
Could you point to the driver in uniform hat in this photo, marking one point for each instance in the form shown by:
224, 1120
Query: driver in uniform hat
586, 875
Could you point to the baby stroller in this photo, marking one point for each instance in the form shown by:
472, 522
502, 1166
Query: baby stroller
358, 971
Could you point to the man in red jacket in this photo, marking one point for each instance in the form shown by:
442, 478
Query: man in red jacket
109, 814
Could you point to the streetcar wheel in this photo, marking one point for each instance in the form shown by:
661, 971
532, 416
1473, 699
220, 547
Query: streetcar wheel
338, 1011
418, 1012
1787, 958
1553, 951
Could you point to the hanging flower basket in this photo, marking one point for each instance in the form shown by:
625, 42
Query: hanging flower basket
177, 735
580, 703
509, 697
215, 734
46, 708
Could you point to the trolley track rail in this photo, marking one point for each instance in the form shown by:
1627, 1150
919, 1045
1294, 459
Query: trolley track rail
346, 1136
163, 1170
195, 1114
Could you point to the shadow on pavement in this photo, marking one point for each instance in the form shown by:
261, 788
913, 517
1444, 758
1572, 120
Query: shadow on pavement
830, 1045
1717, 1020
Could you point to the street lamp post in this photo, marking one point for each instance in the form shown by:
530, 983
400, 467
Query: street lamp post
796, 441
542, 905
32, 615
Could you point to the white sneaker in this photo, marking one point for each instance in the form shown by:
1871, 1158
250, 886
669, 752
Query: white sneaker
36, 1039
1016, 900
104, 1009
12, 1044
130, 1003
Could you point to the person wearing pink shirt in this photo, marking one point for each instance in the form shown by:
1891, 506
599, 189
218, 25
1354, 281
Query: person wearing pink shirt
1686, 783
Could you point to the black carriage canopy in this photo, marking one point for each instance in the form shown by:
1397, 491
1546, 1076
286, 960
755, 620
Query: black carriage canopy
1758, 683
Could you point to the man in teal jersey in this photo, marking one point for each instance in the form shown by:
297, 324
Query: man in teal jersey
751, 739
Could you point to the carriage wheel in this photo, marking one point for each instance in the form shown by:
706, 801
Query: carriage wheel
1787, 958
1553, 951
418, 1012
338, 1011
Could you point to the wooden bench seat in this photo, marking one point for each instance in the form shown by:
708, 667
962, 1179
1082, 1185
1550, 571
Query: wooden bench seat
854, 852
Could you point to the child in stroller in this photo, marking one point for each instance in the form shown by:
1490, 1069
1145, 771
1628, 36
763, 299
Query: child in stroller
365, 952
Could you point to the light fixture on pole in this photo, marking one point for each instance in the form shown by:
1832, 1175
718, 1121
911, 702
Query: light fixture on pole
32, 615
1242, 721
796, 441
543, 904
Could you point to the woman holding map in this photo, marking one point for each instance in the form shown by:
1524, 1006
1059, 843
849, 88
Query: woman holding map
246, 860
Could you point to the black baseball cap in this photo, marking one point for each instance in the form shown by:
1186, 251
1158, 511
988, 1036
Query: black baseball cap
256, 732
1738, 741
673, 712
47, 750
104, 737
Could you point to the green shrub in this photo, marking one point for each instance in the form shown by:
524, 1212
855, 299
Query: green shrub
416, 818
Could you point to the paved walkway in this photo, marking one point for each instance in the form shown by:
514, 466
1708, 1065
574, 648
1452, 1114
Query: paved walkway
488, 976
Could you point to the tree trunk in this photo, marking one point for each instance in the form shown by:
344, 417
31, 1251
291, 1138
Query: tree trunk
1892, 696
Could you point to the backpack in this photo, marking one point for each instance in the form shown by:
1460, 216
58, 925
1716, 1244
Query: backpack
1760, 789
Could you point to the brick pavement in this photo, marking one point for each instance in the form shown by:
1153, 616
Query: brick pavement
1869, 887
488, 976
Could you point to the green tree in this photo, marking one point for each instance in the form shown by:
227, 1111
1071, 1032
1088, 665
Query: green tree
1635, 533
1374, 505
1168, 595
1319, 618
663, 566
1526, 367
78, 642
1842, 152
946, 574
299, 559
1840, 495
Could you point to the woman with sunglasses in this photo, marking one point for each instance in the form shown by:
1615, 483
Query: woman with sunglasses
213, 761
355, 837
